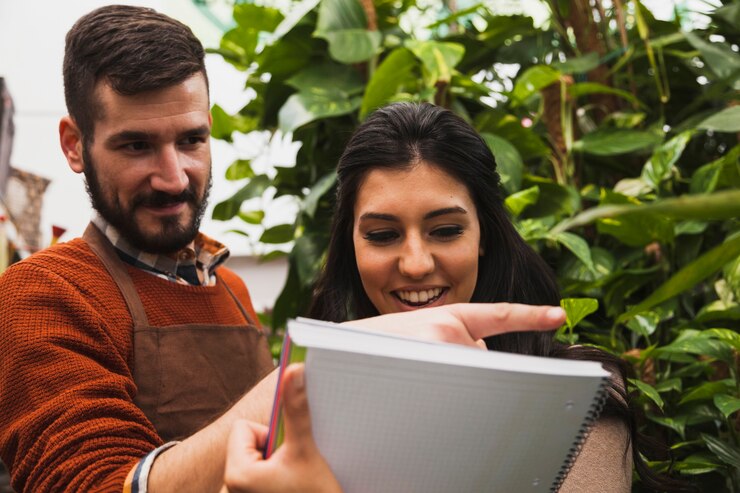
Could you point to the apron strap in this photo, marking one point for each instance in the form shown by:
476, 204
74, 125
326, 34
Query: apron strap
238, 303
102, 247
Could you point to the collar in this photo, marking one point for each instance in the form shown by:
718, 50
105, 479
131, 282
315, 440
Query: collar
203, 254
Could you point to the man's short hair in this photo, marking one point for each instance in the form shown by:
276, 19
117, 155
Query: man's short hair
134, 49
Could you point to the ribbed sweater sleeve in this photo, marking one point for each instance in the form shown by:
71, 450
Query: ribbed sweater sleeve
67, 418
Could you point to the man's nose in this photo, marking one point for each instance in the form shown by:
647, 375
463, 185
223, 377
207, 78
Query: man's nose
416, 260
170, 176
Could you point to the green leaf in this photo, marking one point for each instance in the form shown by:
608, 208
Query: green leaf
707, 391
719, 56
576, 309
533, 80
613, 142
689, 276
586, 88
644, 323
250, 16
517, 202
579, 65
720, 205
696, 464
730, 14
335, 15
252, 217
281, 233
508, 161
555, 199
438, 58
729, 336
677, 424
727, 404
727, 120
724, 171
239, 170
648, 391
229, 208
671, 384
577, 245
352, 45
223, 125
724, 451
306, 107
307, 253
323, 185
394, 72
327, 76
660, 166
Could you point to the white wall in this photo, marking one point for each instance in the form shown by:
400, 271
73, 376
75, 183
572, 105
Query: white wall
31, 52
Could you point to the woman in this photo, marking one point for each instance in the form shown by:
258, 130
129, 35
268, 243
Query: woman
420, 222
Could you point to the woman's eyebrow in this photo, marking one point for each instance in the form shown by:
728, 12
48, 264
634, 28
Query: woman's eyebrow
446, 210
378, 215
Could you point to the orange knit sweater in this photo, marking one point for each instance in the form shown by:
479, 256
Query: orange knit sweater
67, 417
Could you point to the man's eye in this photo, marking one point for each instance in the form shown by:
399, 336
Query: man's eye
381, 237
447, 232
136, 146
193, 140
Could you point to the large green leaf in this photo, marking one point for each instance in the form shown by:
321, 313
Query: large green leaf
730, 14
698, 270
720, 205
577, 245
727, 404
229, 208
644, 323
533, 80
250, 16
555, 199
719, 56
306, 107
649, 391
707, 390
395, 71
327, 75
281, 233
614, 142
438, 58
727, 120
239, 170
578, 65
352, 45
576, 309
336, 15
723, 450
307, 253
508, 161
635, 229
660, 166
517, 202
723, 172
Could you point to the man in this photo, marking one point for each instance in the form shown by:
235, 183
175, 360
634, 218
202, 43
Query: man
129, 353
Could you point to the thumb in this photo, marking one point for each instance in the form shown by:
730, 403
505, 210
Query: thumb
295, 410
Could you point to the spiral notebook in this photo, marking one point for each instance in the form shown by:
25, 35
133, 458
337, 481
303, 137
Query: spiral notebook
395, 414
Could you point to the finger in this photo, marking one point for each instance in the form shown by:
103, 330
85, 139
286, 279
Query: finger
487, 319
245, 442
295, 409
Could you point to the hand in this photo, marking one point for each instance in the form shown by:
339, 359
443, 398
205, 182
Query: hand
296, 467
466, 323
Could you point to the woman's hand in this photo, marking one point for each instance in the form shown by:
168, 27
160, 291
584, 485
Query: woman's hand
296, 466
466, 323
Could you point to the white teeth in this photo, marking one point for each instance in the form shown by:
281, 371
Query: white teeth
419, 296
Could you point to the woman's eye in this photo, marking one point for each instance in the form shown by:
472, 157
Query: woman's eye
381, 237
447, 232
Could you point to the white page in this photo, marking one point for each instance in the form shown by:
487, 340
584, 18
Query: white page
393, 425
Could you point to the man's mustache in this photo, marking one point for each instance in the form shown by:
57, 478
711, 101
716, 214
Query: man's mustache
163, 199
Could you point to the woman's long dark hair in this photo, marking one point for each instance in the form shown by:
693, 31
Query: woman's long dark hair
403, 135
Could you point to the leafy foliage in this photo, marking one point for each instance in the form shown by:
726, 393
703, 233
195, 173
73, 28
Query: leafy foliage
617, 144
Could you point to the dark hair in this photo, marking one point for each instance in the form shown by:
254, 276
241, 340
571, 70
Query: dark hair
402, 135
134, 49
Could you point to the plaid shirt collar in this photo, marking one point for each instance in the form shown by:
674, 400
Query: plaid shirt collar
204, 254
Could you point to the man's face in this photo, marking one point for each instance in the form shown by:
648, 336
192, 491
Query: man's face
148, 167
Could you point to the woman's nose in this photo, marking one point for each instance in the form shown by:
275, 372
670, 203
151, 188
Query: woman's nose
416, 260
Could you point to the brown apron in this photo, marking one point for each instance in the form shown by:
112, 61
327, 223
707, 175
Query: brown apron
186, 375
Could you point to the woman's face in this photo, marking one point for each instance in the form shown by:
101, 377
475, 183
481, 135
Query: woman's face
417, 238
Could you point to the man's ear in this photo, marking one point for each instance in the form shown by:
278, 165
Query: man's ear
70, 139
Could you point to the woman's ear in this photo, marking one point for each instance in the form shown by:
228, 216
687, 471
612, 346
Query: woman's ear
481, 250
70, 139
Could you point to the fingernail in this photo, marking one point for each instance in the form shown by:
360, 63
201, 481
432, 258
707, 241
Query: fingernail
555, 313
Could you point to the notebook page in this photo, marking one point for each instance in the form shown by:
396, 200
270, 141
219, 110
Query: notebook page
389, 425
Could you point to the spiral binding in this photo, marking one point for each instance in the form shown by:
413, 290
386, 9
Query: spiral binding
591, 416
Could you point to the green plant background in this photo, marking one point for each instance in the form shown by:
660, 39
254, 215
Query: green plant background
616, 139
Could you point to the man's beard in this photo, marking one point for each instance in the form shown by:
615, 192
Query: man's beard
172, 235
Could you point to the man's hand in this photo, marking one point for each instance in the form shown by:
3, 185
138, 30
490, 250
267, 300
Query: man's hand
466, 323
296, 467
